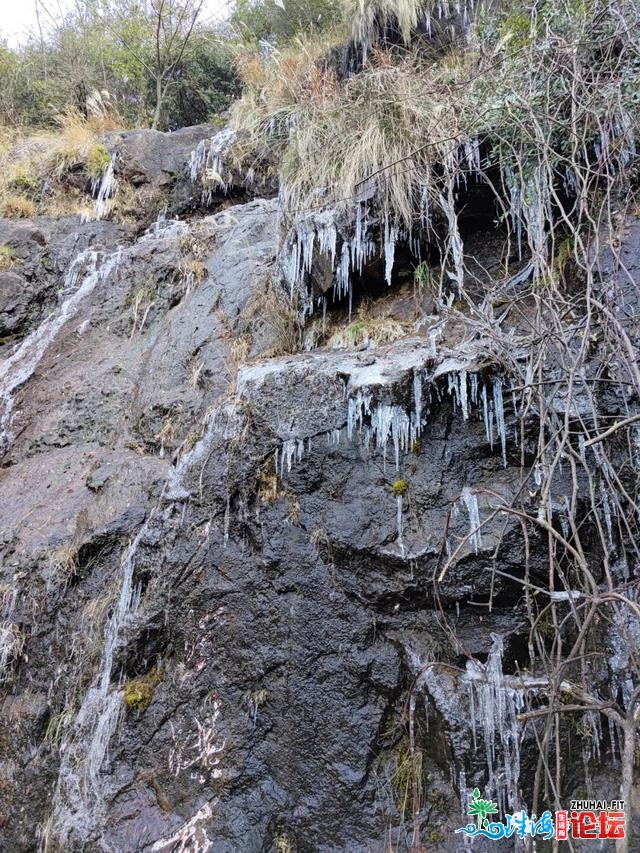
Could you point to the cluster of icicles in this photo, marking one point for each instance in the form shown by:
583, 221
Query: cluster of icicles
103, 192
483, 703
378, 424
352, 233
208, 164
351, 236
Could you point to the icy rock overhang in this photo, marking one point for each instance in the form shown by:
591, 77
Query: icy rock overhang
379, 397
208, 164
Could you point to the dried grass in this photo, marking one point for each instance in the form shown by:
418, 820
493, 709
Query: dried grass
33, 166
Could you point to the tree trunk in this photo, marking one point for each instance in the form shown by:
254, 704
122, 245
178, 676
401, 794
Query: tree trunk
158, 110
628, 761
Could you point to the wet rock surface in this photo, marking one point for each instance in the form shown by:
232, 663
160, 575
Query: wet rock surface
221, 583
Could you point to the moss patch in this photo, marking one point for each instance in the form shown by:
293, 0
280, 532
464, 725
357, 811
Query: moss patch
400, 487
98, 158
138, 692
8, 258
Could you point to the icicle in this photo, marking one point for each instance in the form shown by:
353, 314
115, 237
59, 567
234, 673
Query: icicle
207, 164
473, 378
470, 500
499, 412
399, 523
612, 740
433, 336
292, 450
485, 415
606, 510
417, 404
455, 246
464, 404
227, 520
390, 237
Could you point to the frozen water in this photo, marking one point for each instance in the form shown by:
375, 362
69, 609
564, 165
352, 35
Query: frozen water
208, 164
104, 190
470, 500
87, 270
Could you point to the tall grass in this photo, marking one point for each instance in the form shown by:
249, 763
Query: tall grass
34, 165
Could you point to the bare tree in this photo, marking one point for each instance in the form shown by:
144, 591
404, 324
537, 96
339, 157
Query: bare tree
175, 21
173, 24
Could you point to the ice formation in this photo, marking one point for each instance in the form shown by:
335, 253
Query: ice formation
377, 424
470, 501
495, 707
104, 190
192, 836
481, 705
87, 270
208, 164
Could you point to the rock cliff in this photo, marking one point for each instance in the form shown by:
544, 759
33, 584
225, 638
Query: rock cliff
258, 596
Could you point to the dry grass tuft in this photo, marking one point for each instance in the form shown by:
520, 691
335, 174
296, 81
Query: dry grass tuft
368, 16
336, 140
366, 331
14, 206
35, 167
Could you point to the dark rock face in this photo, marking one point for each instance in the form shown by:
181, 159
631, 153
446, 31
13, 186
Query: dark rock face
156, 166
154, 157
221, 586
39, 254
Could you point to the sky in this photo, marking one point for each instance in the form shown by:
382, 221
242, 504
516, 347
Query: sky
18, 17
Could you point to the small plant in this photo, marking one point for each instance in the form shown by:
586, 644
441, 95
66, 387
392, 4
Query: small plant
138, 692
8, 258
269, 485
141, 300
23, 181
98, 159
282, 844
58, 725
196, 367
240, 349
255, 700
64, 563
400, 487
422, 277
191, 273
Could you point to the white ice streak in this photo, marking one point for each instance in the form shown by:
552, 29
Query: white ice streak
104, 190
470, 501
87, 270
191, 837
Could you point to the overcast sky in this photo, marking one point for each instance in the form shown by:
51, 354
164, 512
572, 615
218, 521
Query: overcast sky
18, 17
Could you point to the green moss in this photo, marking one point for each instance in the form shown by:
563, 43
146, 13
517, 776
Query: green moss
138, 692
97, 160
192, 439
517, 27
400, 487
